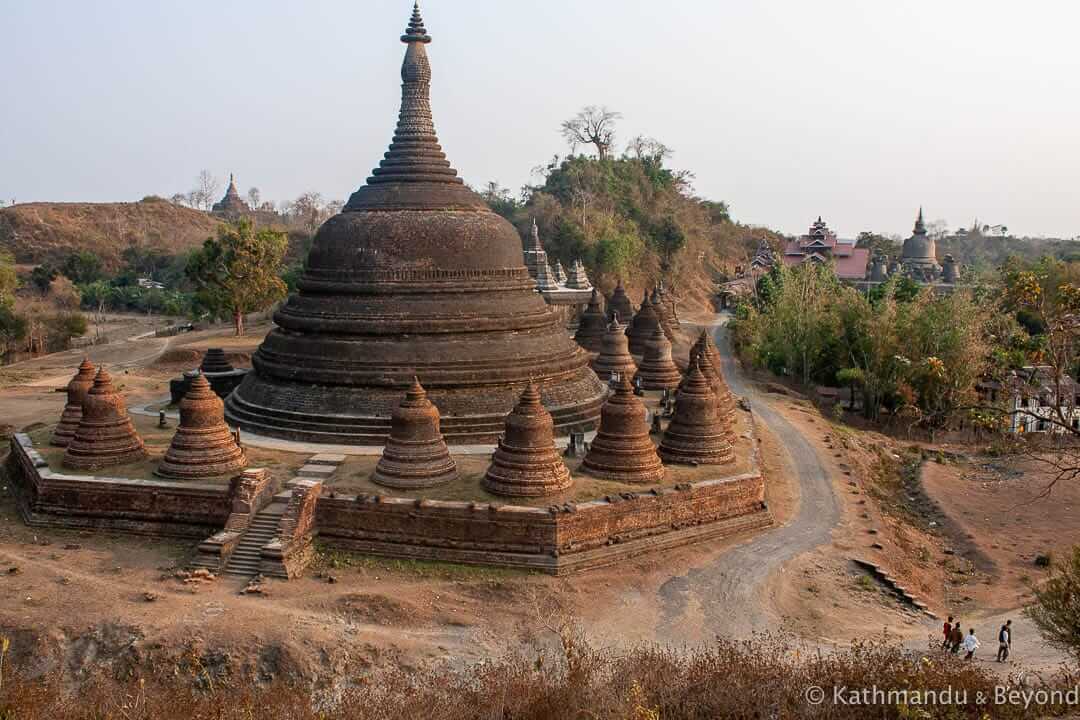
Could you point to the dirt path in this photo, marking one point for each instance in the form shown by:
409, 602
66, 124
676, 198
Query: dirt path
725, 596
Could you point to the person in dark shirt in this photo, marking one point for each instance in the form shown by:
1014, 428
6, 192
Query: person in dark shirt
1004, 641
956, 637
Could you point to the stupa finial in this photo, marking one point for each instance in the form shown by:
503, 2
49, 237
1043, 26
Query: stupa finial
416, 32
415, 155
920, 225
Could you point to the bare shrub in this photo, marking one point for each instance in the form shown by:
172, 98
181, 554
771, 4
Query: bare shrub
764, 677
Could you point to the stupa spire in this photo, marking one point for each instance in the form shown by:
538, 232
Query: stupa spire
534, 238
416, 32
920, 225
415, 155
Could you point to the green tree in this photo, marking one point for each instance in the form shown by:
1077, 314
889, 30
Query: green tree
500, 200
42, 276
82, 267
1056, 610
9, 280
799, 328
240, 270
869, 342
852, 378
945, 338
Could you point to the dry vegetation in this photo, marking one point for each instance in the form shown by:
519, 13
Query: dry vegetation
762, 677
48, 232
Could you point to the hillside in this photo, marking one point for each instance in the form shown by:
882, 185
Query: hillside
49, 232
632, 218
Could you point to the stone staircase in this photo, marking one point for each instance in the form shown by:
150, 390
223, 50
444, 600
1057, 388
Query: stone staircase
882, 575
245, 558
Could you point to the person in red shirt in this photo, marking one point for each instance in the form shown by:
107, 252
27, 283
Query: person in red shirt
946, 631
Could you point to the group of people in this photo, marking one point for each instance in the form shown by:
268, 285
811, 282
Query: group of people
955, 639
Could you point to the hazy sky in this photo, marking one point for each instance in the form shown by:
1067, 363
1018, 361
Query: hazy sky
857, 110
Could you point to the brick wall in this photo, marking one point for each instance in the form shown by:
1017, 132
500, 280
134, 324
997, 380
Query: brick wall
557, 539
48, 498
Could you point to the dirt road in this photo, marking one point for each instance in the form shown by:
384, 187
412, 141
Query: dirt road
726, 596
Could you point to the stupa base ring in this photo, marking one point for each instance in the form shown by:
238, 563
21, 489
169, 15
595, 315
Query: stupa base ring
361, 416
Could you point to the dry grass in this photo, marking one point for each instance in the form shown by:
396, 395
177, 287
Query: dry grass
766, 677
39, 232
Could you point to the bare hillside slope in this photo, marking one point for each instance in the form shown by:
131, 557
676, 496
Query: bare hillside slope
48, 232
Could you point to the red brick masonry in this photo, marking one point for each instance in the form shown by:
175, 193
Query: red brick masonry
558, 540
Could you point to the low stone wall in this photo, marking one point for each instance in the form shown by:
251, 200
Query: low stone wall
150, 507
292, 549
249, 492
556, 540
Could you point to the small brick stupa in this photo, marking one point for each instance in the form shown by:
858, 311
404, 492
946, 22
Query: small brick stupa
663, 313
577, 279
641, 328
592, 326
724, 397
76, 392
711, 368
657, 370
203, 446
669, 302
620, 302
697, 434
622, 449
526, 463
415, 455
614, 354
560, 273
214, 361
105, 436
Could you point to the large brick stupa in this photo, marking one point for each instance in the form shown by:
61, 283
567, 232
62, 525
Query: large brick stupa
415, 277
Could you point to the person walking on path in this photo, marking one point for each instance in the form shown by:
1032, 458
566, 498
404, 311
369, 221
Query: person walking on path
947, 631
971, 644
956, 638
1004, 641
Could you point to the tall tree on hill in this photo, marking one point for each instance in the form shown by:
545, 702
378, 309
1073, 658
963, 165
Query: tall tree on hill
9, 280
82, 267
239, 271
592, 126
205, 193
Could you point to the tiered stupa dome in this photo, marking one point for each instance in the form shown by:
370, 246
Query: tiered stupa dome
105, 436
203, 446
706, 352
614, 354
526, 463
919, 256
642, 327
577, 279
415, 277
76, 392
214, 361
725, 400
664, 313
657, 370
697, 434
415, 455
622, 449
620, 303
592, 326
232, 205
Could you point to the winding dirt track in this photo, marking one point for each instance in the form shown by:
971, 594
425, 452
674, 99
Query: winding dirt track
725, 596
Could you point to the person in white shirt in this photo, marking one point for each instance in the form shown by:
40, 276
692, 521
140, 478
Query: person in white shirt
971, 644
